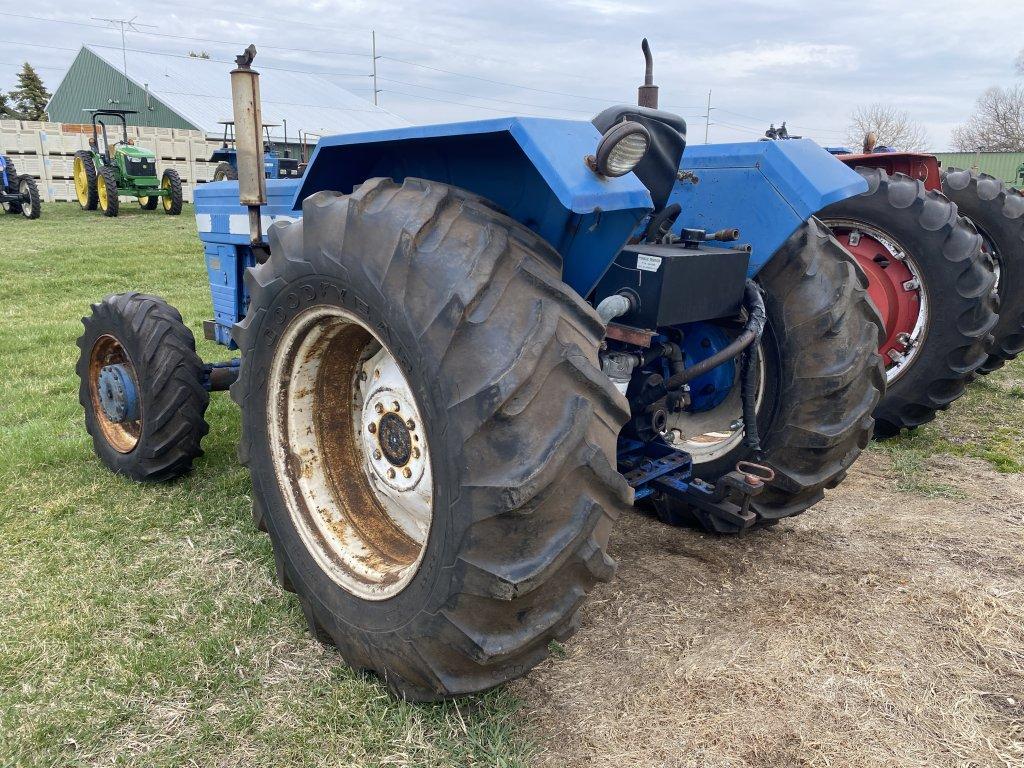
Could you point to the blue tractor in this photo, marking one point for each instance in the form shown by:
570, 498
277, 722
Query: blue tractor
18, 193
466, 349
275, 165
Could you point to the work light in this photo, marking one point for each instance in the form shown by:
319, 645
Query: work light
621, 149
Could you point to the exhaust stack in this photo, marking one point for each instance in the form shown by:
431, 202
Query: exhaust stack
252, 181
647, 94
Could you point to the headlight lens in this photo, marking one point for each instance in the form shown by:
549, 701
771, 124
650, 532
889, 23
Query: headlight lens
621, 149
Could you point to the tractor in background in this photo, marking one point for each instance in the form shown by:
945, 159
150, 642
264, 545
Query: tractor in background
108, 171
18, 193
466, 349
275, 165
929, 262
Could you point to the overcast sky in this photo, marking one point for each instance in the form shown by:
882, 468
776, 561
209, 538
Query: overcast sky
808, 63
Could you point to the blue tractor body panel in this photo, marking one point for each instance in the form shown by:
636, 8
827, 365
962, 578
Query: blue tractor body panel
271, 160
533, 169
766, 189
223, 227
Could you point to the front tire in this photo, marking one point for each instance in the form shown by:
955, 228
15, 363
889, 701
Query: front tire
157, 391
30, 205
106, 186
171, 181
822, 378
998, 212
921, 228
496, 366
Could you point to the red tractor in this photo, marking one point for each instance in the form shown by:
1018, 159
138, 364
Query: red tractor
942, 252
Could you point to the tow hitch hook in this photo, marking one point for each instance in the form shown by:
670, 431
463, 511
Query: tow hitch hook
729, 499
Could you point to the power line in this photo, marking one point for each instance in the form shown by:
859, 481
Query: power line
271, 101
762, 121
331, 52
484, 98
313, 51
18, 64
496, 82
457, 103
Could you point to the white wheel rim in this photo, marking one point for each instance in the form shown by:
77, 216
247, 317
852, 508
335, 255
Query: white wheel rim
358, 485
709, 435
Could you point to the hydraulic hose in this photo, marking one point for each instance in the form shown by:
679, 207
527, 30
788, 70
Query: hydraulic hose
748, 397
756, 319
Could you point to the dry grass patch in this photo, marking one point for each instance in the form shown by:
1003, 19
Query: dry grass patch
882, 628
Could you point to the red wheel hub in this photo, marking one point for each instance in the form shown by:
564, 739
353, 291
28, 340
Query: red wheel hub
892, 286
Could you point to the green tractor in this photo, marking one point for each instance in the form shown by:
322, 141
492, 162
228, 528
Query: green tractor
121, 169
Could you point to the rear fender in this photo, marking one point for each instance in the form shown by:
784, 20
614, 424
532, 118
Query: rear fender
916, 165
533, 169
766, 189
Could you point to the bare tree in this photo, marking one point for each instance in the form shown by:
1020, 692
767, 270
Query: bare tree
997, 124
892, 127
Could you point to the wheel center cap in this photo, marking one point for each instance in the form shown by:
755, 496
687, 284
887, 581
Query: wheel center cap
394, 438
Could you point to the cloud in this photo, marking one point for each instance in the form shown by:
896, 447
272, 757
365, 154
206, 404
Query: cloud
763, 58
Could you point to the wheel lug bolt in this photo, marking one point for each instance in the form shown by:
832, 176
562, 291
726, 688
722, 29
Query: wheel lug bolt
376, 455
410, 424
379, 408
391, 474
372, 429
406, 472
396, 406
415, 453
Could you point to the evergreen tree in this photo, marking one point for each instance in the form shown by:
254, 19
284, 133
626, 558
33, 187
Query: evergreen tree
31, 96
7, 109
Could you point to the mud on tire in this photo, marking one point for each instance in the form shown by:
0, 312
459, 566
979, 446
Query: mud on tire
998, 212
148, 334
823, 379
957, 280
522, 425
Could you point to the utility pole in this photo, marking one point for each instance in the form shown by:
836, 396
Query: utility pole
707, 118
130, 24
373, 54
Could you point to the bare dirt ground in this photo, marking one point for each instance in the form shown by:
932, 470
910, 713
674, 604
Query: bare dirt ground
882, 628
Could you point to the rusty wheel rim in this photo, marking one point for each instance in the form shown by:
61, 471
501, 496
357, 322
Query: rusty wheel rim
123, 437
350, 452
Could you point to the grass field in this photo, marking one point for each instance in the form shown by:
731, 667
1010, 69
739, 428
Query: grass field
142, 625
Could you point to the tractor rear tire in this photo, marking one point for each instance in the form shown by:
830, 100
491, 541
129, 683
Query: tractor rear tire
30, 208
106, 186
12, 177
518, 424
147, 336
225, 172
172, 202
823, 379
957, 280
997, 210
85, 175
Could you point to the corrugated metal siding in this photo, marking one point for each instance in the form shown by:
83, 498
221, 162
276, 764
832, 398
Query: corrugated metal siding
92, 83
1002, 165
